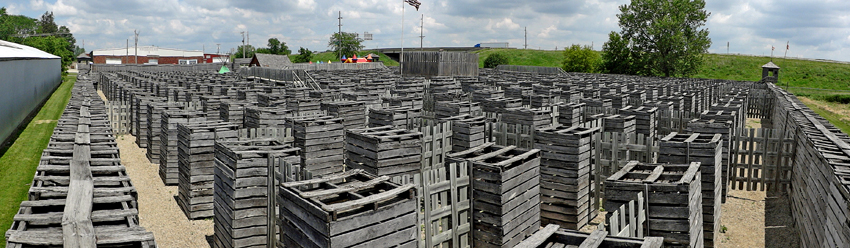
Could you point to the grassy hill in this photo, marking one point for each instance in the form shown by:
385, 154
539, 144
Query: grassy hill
823, 86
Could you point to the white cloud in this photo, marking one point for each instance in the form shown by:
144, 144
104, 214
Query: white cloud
816, 28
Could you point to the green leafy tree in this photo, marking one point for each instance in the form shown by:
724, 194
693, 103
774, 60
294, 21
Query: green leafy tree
496, 59
14, 25
278, 47
616, 56
248, 50
304, 55
345, 43
581, 59
665, 37
54, 45
46, 24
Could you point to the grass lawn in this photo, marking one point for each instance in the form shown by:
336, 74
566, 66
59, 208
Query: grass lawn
18, 163
525, 57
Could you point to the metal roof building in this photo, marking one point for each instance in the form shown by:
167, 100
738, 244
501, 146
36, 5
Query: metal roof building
29, 77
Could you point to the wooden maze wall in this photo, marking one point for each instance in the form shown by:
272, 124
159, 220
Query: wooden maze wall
819, 181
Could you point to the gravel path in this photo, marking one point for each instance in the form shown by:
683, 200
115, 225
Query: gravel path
158, 210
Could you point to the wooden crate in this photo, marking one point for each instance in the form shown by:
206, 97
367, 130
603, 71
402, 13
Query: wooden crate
350, 209
241, 190
196, 164
168, 161
153, 126
321, 139
352, 113
233, 112
505, 193
571, 114
673, 194
678, 148
467, 132
537, 118
553, 236
449, 109
398, 117
565, 175
724, 128
384, 151
260, 117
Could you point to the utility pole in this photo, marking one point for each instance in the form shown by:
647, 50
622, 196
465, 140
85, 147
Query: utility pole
339, 36
526, 38
243, 43
248, 34
421, 27
127, 56
137, 46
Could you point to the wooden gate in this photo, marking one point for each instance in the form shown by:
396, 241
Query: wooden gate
762, 160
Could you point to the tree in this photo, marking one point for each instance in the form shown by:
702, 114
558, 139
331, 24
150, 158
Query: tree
665, 37
304, 56
496, 59
46, 24
11, 25
616, 56
345, 43
278, 47
581, 59
54, 45
248, 50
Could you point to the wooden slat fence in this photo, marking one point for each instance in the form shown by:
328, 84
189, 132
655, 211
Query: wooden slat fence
283, 172
504, 134
440, 64
631, 225
762, 160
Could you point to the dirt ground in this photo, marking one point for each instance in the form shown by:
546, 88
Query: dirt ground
743, 217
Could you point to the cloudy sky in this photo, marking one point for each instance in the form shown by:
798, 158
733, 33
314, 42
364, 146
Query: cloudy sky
815, 28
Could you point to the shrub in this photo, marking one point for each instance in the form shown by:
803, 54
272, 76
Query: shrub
581, 59
496, 59
843, 99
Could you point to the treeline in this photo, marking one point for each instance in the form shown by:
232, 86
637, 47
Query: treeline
41, 33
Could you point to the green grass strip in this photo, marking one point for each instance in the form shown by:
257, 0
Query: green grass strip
18, 163
833, 118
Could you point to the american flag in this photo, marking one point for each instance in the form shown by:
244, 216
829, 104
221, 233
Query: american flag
413, 3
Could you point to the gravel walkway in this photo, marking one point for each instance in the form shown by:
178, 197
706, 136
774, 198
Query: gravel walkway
158, 210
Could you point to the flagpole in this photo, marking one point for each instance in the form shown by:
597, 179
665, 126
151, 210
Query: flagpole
401, 65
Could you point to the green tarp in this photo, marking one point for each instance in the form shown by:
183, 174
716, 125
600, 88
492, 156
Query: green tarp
223, 70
